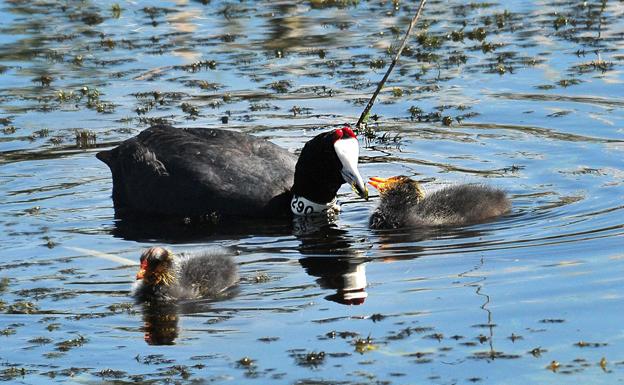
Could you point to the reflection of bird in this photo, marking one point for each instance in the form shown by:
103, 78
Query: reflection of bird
404, 204
160, 324
165, 277
201, 172
345, 275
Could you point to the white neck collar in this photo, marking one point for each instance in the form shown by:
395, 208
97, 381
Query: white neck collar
304, 207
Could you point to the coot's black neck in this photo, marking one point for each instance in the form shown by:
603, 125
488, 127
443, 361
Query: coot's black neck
317, 173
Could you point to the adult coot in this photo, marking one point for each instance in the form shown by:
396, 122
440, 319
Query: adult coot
404, 204
198, 172
166, 277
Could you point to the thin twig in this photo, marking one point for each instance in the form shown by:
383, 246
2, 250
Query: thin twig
394, 61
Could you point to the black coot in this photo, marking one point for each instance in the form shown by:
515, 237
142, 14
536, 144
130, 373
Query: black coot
201, 172
404, 204
166, 277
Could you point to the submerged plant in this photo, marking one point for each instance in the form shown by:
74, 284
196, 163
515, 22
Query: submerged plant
85, 138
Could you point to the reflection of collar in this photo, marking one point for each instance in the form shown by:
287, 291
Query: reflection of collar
354, 290
355, 278
351, 297
304, 207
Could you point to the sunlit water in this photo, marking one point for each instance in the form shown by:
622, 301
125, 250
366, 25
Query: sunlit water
534, 91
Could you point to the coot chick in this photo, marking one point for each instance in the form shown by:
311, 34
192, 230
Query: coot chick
404, 204
166, 277
212, 173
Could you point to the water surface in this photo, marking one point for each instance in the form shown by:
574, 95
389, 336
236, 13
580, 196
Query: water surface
533, 94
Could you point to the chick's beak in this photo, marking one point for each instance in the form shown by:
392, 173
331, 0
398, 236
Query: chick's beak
140, 274
379, 183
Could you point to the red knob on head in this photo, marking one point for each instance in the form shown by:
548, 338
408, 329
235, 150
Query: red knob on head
338, 134
348, 132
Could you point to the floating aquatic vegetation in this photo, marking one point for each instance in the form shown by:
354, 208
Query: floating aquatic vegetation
198, 66
260, 278
309, 359
568, 82
322, 4
537, 352
344, 334
477, 34
7, 331
280, 86
45, 80
584, 344
36, 293
72, 343
40, 340
263, 107
435, 336
13, 372
43, 133
296, 110
110, 373
407, 332
245, 362
116, 11
492, 355
85, 138
560, 21
363, 345
9, 130
377, 64
121, 307
191, 110
181, 370
595, 65
552, 321
4, 284
268, 339
153, 359
429, 41
53, 326
22, 307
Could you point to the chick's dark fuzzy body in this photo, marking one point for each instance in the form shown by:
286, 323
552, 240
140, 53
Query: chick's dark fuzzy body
450, 206
196, 275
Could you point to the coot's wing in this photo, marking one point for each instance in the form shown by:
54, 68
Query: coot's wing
198, 171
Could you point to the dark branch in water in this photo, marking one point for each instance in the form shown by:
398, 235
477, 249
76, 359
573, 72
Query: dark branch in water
391, 67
